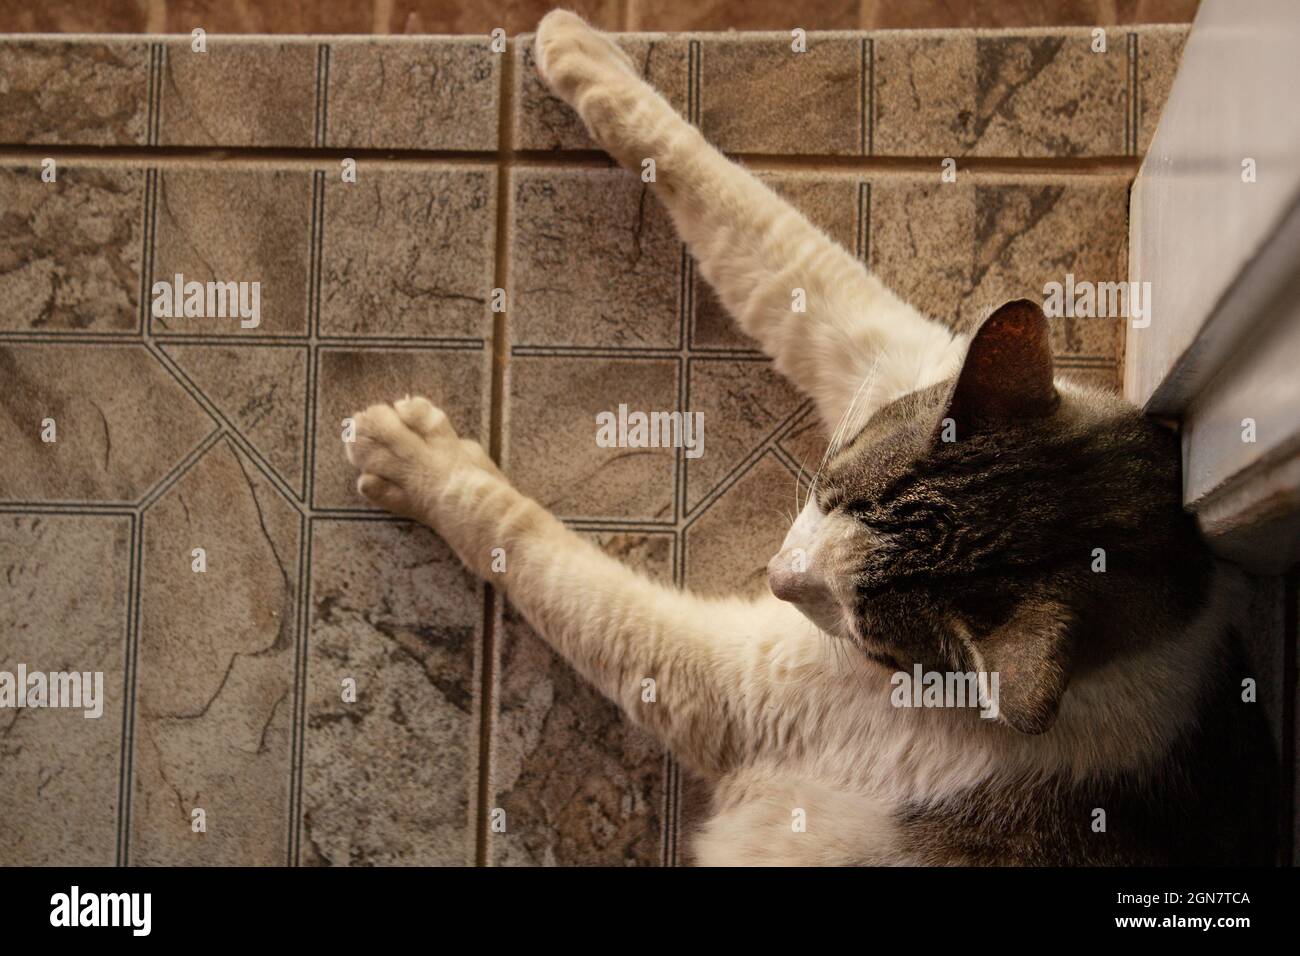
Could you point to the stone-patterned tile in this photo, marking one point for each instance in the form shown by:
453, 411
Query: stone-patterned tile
728, 547
64, 609
398, 94
215, 669
999, 94
255, 16
74, 16
922, 243
744, 403
829, 200
120, 422
239, 93
70, 250
722, 15
74, 92
262, 391
484, 16
1159, 51
409, 252
544, 121
811, 102
579, 784
350, 380
241, 224
594, 260
805, 442
958, 250
552, 454
387, 777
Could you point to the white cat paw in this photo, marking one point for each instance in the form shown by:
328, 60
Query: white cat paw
405, 452
571, 55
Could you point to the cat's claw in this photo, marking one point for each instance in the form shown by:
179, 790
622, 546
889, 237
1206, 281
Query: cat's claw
404, 451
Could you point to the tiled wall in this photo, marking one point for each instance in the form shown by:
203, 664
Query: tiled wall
224, 686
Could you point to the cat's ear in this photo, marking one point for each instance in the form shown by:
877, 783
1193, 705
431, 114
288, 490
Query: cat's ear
1030, 654
1007, 374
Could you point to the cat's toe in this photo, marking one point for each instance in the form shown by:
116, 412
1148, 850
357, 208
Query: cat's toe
384, 445
423, 417
382, 492
569, 53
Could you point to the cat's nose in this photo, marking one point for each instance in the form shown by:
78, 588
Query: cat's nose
788, 577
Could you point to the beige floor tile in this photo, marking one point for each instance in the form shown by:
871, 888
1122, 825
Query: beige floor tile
65, 609
998, 94
241, 92
111, 407
215, 669
350, 380
958, 250
70, 249
580, 786
262, 392
87, 93
744, 404
393, 94
812, 102
805, 442
1159, 50
729, 545
236, 224
409, 252
387, 778
552, 453
594, 261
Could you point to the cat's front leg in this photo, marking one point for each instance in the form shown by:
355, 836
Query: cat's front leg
828, 323
710, 664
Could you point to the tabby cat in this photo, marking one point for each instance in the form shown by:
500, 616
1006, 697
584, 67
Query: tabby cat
958, 525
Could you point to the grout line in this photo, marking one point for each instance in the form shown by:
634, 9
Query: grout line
296, 730
500, 358
153, 180
1134, 96
297, 758
123, 770
864, 80
870, 119
12, 154
158, 64
177, 371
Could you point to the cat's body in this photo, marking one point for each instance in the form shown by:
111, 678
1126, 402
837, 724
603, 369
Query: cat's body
955, 524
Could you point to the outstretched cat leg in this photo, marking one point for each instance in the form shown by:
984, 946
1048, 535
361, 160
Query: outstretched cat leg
755, 249
703, 675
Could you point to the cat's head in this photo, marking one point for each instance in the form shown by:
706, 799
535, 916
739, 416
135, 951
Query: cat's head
998, 522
